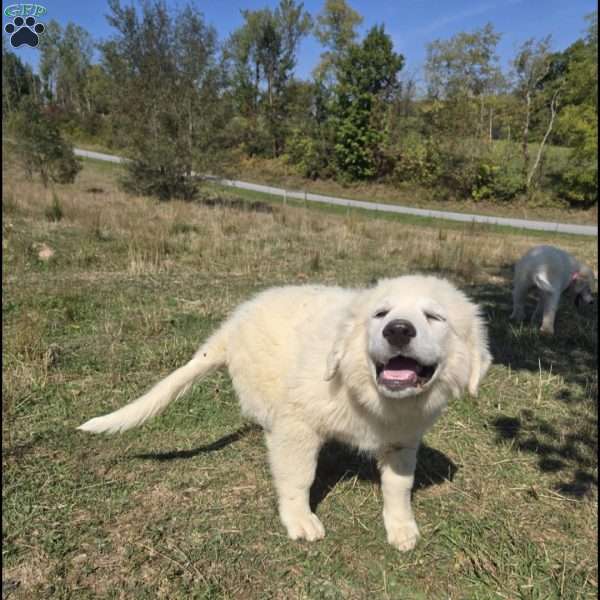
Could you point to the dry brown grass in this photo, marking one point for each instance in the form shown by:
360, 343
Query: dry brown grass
160, 235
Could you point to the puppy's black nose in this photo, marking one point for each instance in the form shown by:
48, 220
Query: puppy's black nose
399, 332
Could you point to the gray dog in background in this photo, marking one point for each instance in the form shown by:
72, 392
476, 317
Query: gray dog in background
551, 271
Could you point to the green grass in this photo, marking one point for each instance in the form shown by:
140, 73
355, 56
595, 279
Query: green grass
506, 494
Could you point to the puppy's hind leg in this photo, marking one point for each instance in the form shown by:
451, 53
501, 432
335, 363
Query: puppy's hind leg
519, 296
539, 310
550, 304
293, 454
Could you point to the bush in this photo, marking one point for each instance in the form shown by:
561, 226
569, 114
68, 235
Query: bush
358, 142
482, 187
311, 156
418, 161
578, 184
161, 176
479, 174
250, 135
40, 146
507, 184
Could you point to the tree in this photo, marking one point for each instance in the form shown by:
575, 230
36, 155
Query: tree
578, 121
165, 95
462, 69
533, 67
18, 81
64, 64
335, 28
40, 146
262, 56
367, 81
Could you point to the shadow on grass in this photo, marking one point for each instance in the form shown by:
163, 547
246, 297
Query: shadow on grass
337, 462
235, 204
219, 444
573, 452
18, 451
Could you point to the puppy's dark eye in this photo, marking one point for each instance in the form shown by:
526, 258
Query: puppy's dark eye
381, 313
434, 317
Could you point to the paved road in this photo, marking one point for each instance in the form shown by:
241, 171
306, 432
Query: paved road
390, 208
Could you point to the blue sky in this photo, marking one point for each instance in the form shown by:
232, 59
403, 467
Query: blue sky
411, 23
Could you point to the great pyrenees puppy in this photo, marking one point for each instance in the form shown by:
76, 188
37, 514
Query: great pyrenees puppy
371, 367
551, 271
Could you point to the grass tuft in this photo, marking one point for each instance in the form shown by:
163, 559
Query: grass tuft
54, 212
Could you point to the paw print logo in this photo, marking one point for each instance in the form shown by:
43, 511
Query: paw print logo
24, 31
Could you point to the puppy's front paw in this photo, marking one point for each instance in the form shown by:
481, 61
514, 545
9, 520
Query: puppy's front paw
303, 526
403, 535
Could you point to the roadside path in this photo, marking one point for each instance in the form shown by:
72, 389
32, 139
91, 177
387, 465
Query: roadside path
380, 207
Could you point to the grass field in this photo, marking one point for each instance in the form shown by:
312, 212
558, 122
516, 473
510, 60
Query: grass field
506, 493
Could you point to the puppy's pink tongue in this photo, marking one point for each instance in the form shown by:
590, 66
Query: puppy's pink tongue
401, 369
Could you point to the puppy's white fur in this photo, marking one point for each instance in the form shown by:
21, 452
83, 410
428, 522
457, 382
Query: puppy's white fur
303, 361
551, 271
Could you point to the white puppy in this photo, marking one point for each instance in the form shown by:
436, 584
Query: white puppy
372, 368
551, 271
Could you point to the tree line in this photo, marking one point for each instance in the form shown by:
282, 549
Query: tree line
174, 98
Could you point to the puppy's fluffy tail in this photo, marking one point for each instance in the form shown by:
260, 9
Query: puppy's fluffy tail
210, 356
542, 283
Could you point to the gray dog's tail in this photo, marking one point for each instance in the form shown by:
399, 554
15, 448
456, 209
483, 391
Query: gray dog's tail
211, 355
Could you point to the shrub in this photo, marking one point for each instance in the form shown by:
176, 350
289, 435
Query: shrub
507, 184
579, 186
418, 161
160, 167
162, 177
479, 174
311, 156
40, 146
483, 180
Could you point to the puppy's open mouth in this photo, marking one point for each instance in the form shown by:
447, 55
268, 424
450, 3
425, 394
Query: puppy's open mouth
401, 373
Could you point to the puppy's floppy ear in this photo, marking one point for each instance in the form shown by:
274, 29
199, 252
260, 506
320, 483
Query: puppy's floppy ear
480, 356
338, 349
340, 344
587, 274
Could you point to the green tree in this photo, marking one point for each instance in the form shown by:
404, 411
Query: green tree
366, 83
18, 80
262, 54
335, 28
578, 121
464, 72
534, 66
64, 64
40, 146
165, 95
